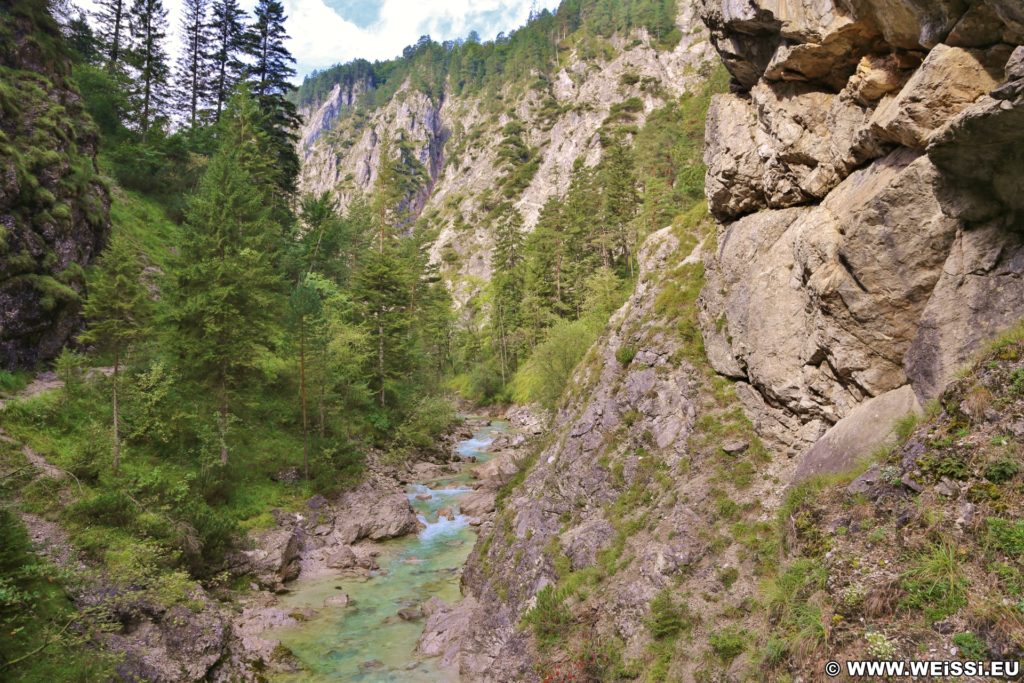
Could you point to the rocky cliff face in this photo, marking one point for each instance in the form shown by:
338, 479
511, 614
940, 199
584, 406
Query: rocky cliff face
54, 210
457, 140
864, 181
870, 234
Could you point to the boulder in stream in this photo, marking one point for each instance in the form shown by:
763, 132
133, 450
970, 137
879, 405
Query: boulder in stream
410, 613
340, 600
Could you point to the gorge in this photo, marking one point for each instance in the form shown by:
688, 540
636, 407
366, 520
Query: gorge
655, 340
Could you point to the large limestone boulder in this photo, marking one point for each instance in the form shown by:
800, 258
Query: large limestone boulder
178, 645
367, 512
868, 427
982, 154
868, 168
276, 555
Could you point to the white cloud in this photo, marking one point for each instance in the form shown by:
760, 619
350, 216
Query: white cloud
321, 37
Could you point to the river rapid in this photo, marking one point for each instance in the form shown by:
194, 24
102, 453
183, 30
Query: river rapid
366, 640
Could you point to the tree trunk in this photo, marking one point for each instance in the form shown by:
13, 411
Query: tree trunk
223, 424
117, 414
501, 337
115, 48
302, 396
320, 409
380, 357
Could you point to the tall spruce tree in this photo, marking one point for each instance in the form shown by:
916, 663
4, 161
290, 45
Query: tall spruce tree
119, 312
384, 283
148, 22
228, 29
270, 74
228, 295
194, 78
82, 39
112, 29
507, 287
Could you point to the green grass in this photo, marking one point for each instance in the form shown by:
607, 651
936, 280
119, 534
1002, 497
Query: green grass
972, 648
13, 382
936, 583
147, 224
43, 637
550, 619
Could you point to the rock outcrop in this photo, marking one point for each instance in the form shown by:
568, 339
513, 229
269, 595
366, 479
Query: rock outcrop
54, 209
866, 172
454, 141
619, 427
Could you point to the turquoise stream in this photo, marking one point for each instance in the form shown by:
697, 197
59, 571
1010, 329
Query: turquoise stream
366, 640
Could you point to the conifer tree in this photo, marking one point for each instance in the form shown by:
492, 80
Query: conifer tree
228, 294
507, 287
618, 203
81, 39
306, 309
383, 284
270, 74
194, 76
119, 312
228, 29
148, 22
112, 24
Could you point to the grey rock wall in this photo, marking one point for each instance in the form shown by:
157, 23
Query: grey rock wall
866, 172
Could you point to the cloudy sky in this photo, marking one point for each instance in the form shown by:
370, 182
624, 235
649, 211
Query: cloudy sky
326, 32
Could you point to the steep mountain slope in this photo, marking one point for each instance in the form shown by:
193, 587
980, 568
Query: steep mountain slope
514, 141
54, 209
868, 241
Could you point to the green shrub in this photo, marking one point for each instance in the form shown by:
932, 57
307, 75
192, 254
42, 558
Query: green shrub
1017, 381
972, 648
1006, 536
110, 508
729, 642
668, 619
544, 375
215, 534
625, 355
549, 618
13, 382
431, 416
1002, 470
70, 369
728, 576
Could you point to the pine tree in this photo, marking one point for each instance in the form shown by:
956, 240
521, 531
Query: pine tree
119, 312
148, 22
81, 39
269, 77
195, 77
228, 30
306, 309
383, 284
225, 304
507, 287
112, 22
618, 203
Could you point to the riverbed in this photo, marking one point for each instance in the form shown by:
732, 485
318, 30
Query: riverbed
366, 640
